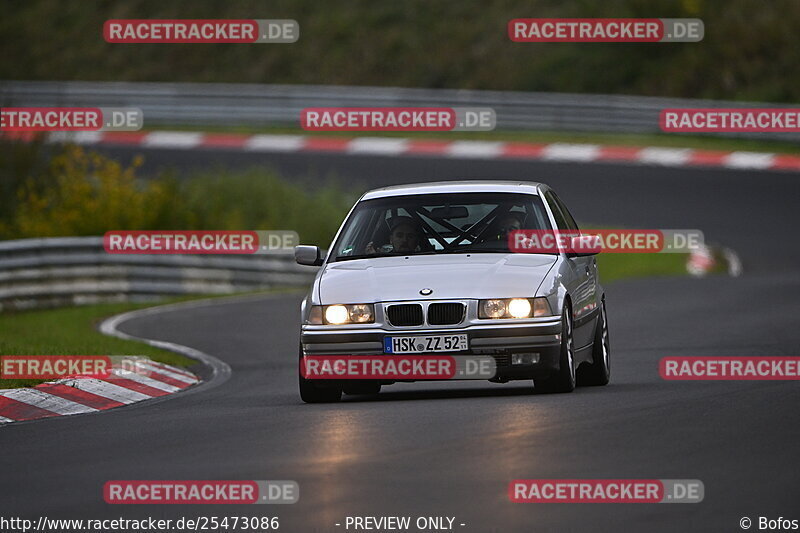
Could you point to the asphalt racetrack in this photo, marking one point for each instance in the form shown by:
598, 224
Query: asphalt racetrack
451, 449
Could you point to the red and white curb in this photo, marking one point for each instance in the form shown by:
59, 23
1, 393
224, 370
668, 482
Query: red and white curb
79, 395
457, 149
87, 395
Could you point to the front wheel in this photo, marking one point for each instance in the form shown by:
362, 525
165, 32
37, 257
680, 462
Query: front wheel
599, 372
564, 379
311, 392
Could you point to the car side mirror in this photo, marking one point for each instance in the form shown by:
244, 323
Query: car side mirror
584, 245
307, 255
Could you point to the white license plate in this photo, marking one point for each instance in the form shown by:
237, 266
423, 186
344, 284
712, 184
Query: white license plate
426, 344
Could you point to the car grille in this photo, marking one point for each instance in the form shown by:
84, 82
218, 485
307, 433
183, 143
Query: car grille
405, 314
442, 314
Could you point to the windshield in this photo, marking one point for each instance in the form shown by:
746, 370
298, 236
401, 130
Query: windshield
438, 224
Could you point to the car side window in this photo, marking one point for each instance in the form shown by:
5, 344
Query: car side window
571, 224
561, 222
536, 216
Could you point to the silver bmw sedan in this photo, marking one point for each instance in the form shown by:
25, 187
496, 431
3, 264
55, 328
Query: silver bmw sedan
432, 269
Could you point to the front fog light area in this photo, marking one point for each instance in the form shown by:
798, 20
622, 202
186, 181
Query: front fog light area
524, 358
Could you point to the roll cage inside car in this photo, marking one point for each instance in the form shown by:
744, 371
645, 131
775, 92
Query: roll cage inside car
414, 207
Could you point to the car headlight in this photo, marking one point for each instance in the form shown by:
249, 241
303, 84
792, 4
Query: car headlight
339, 314
513, 308
336, 314
520, 308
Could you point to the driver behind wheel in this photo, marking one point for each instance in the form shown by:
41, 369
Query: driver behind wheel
404, 237
506, 224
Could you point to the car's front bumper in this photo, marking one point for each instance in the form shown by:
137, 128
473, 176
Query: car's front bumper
541, 336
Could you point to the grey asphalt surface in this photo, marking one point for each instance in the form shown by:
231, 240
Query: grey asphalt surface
451, 449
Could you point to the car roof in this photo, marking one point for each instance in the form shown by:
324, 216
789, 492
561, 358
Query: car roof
439, 187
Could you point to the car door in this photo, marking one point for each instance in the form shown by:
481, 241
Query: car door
584, 282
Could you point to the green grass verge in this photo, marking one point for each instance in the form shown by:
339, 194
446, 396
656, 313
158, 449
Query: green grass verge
72, 331
543, 137
615, 267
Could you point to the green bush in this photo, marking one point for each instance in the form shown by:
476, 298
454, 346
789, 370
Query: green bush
88, 194
261, 200
85, 193
19, 162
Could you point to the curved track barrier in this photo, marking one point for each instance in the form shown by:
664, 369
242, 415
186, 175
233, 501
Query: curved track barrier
77, 270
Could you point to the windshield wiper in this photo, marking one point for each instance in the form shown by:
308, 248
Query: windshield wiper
382, 254
470, 249
363, 256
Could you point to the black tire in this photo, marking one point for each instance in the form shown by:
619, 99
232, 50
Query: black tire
362, 386
564, 379
599, 372
310, 392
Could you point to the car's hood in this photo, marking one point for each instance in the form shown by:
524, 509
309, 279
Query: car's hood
475, 276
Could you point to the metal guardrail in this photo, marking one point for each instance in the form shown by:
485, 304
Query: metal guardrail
77, 270
226, 104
